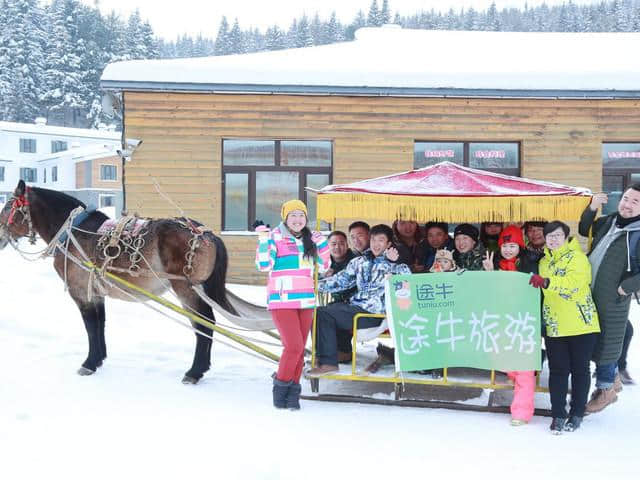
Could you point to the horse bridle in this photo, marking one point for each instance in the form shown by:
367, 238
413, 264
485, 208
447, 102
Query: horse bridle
21, 204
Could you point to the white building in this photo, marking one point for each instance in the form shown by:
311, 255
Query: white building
81, 162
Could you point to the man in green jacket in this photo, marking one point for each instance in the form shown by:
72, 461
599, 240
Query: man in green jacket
615, 274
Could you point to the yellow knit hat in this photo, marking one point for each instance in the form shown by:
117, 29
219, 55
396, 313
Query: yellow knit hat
290, 206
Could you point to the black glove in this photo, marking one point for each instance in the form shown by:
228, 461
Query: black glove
257, 223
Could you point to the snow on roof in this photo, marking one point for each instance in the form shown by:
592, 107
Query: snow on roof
396, 61
41, 129
81, 154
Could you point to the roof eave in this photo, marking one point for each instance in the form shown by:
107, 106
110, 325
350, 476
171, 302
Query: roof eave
146, 86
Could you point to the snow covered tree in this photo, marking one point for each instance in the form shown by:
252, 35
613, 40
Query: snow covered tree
236, 40
333, 30
385, 13
67, 94
373, 18
492, 22
223, 46
21, 60
275, 38
303, 37
316, 29
292, 34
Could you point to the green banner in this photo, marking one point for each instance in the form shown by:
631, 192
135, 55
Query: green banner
488, 320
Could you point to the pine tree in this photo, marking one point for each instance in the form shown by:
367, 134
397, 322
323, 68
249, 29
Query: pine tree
373, 19
223, 46
316, 29
236, 40
333, 30
358, 22
66, 95
21, 60
275, 38
303, 38
292, 35
385, 13
492, 22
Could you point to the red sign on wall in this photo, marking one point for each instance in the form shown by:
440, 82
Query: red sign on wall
439, 153
490, 154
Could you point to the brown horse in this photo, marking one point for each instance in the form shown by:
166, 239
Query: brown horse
167, 253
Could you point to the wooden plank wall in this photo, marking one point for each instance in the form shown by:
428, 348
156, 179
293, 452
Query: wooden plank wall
373, 136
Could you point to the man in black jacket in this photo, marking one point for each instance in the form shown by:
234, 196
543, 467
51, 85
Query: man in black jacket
615, 276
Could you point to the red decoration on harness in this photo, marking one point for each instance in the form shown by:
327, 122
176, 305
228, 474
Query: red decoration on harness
18, 203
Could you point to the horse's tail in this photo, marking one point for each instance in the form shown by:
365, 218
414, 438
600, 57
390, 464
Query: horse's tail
214, 286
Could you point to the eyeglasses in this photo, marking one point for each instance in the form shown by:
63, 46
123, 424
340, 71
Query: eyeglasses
555, 236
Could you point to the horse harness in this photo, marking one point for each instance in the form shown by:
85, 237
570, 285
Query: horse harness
21, 204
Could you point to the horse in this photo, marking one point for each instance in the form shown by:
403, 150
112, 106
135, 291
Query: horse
171, 253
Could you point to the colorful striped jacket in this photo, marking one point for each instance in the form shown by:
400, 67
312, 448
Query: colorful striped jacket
291, 283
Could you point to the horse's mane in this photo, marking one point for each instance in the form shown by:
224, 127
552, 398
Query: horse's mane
58, 200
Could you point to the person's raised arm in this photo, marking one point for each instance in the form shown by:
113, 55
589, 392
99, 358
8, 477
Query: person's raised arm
343, 280
589, 214
265, 251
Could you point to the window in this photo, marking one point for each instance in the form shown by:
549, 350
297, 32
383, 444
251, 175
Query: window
499, 157
28, 145
3, 200
620, 170
108, 172
44, 177
259, 175
29, 174
1, 174
58, 146
106, 200
54, 174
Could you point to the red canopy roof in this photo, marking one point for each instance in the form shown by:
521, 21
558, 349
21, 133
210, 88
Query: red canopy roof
449, 179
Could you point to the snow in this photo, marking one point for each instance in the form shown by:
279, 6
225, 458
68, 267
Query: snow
404, 58
134, 419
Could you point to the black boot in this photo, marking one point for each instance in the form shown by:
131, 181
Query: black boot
293, 396
557, 425
280, 391
573, 424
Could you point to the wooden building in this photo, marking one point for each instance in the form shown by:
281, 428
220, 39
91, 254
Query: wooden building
230, 138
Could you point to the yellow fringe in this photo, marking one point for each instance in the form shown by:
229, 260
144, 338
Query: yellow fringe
449, 209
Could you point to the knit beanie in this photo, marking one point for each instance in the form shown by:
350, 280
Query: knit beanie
290, 206
468, 230
511, 234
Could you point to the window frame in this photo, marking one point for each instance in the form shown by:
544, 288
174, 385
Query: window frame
34, 171
56, 143
624, 172
2, 173
101, 196
24, 142
115, 168
515, 172
54, 174
251, 170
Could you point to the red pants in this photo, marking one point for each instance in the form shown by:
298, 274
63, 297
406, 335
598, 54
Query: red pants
293, 326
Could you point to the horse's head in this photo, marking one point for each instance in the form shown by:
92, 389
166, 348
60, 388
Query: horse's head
15, 217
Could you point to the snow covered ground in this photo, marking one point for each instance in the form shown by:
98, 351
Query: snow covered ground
134, 419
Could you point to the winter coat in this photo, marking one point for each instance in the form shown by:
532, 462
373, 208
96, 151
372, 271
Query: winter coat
291, 275
524, 263
345, 295
471, 260
614, 272
568, 308
368, 274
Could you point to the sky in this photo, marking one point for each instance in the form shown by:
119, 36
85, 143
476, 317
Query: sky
171, 19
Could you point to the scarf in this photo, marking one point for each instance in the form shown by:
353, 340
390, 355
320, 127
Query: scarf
510, 265
623, 222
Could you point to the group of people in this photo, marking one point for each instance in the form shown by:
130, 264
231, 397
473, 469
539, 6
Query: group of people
585, 306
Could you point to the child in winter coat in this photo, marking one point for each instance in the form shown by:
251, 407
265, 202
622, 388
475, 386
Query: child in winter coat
512, 258
290, 253
443, 262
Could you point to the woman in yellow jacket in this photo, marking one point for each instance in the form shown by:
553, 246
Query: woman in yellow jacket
571, 322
